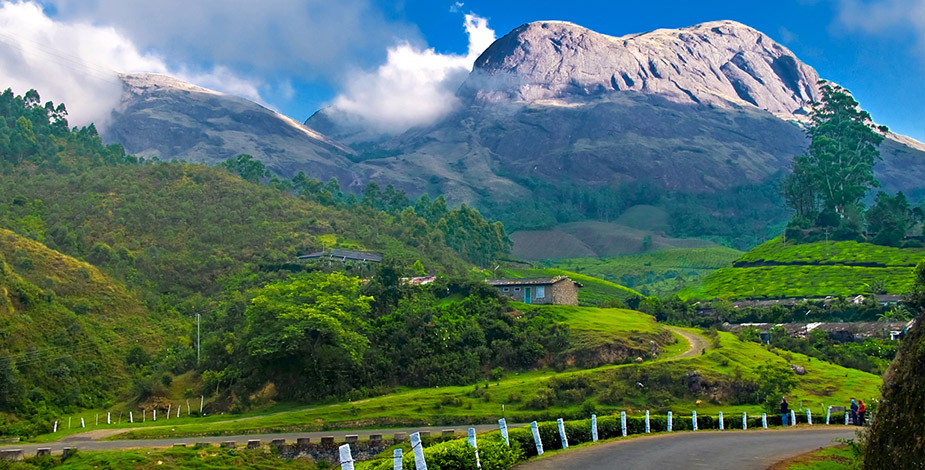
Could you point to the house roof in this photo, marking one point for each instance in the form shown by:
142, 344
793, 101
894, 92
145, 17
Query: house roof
344, 255
536, 281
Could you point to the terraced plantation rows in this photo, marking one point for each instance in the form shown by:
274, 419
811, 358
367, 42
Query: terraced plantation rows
779, 269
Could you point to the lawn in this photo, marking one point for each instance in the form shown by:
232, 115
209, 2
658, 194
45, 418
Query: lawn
594, 327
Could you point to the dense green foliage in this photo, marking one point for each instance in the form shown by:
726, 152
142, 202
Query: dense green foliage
897, 438
659, 273
317, 335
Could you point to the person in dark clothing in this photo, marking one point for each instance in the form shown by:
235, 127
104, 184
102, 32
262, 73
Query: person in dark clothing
854, 412
861, 410
784, 412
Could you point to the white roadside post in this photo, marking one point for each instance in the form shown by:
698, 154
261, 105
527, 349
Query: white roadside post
623, 422
793, 418
144, 415
648, 428
809, 416
155, 414
179, 407
846, 418
536, 438
346, 459
474, 444
694, 419
721, 425
108, 417
503, 425
744, 421
202, 400
55, 427
187, 408
169, 407
82, 424
562, 436
670, 422
396, 459
764, 420
131, 418
593, 428
418, 449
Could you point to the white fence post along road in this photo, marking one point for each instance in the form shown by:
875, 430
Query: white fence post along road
418, 449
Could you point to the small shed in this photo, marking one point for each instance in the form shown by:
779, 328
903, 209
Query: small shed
558, 290
344, 255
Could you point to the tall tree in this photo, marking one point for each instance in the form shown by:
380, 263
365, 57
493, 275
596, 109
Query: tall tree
839, 165
889, 219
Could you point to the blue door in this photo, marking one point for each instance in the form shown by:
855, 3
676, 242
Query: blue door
526, 295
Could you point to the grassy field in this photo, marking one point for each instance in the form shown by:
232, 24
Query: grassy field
778, 269
595, 291
829, 458
593, 327
841, 253
660, 272
569, 394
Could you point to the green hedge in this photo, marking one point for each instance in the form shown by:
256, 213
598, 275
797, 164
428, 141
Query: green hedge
495, 455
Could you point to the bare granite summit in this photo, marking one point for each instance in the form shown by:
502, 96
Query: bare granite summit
720, 63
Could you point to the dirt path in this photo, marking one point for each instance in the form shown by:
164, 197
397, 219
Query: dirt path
698, 343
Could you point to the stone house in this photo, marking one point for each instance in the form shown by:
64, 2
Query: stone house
559, 290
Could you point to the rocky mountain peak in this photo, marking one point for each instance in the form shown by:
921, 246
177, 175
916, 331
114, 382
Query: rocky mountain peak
722, 63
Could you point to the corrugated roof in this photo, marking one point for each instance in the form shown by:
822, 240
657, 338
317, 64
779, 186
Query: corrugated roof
344, 255
527, 281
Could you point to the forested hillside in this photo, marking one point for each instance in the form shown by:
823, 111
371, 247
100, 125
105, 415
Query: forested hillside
106, 259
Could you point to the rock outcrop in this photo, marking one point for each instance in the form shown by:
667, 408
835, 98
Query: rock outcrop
719, 63
167, 118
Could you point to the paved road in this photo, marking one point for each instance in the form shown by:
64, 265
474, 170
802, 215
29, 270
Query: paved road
698, 343
87, 444
739, 450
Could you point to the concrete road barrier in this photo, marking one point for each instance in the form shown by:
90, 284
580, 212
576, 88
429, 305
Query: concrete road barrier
228, 444
253, 444
42, 451
11, 454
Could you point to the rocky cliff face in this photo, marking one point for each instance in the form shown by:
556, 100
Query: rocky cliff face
721, 63
163, 117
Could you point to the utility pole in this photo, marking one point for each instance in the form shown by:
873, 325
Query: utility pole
198, 316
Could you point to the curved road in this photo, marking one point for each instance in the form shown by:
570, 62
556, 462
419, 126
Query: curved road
739, 450
698, 343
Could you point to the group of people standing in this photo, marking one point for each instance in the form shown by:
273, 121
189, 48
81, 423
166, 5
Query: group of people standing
858, 410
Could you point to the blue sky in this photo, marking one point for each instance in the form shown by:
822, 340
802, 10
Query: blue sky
299, 55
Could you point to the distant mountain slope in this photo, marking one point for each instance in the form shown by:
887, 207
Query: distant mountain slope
558, 124
170, 119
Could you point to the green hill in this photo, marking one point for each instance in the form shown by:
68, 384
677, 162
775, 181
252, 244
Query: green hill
660, 272
780, 269
67, 331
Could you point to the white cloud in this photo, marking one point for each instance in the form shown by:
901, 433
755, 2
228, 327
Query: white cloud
276, 39
884, 17
415, 86
78, 63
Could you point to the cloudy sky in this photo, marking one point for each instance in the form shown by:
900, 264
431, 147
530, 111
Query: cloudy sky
397, 63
